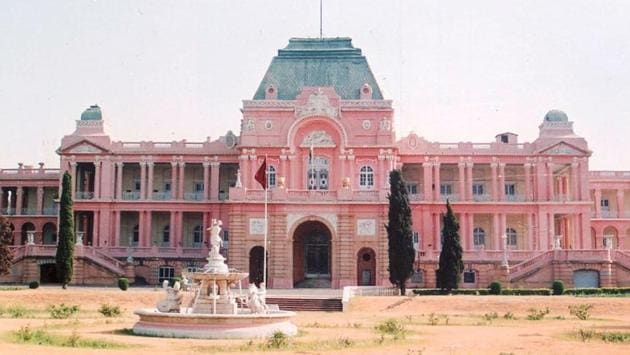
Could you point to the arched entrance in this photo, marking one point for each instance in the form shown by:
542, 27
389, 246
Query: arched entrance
256, 261
312, 255
48, 273
366, 267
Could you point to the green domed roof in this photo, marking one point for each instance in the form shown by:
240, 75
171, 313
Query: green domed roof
556, 116
319, 62
92, 113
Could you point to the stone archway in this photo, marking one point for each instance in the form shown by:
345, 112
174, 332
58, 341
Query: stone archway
26, 227
49, 234
312, 257
610, 232
366, 267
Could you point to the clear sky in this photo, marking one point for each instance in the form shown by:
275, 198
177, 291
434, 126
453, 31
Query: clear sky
456, 70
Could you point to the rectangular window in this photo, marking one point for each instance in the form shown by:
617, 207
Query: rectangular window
446, 189
167, 186
166, 273
199, 187
605, 204
477, 189
416, 237
510, 189
469, 277
412, 188
136, 184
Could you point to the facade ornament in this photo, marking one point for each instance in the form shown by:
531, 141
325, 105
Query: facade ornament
318, 139
345, 183
173, 300
556, 242
238, 184
281, 182
79, 238
385, 124
317, 104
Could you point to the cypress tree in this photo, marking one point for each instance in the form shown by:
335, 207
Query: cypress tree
65, 246
6, 239
451, 264
399, 234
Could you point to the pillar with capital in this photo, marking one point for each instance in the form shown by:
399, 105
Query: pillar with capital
620, 203
174, 180
598, 204
19, 200
119, 178
206, 179
550, 181
40, 200
469, 180
501, 187
182, 180
436, 181
427, 172
143, 180
150, 167
73, 175
214, 180
97, 178
494, 194
575, 189
527, 167
462, 180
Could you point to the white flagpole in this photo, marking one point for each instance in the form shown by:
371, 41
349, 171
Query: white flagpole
264, 280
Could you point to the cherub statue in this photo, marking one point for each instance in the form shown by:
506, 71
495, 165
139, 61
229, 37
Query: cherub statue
173, 299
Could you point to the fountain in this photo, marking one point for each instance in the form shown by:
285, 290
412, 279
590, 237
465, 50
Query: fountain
213, 311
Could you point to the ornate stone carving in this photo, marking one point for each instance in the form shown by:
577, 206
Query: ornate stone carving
366, 227
563, 149
318, 139
256, 226
292, 219
366, 124
85, 148
318, 104
385, 124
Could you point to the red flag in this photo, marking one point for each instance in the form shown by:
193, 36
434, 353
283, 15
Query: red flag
261, 175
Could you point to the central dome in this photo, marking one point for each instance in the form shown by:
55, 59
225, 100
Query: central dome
556, 116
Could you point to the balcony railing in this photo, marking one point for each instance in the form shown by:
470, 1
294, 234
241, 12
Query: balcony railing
162, 196
50, 211
8, 211
515, 198
29, 211
416, 197
481, 197
131, 195
193, 196
450, 197
84, 195
608, 214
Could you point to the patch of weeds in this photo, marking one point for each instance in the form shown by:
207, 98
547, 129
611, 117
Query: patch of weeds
62, 311
13, 288
560, 317
537, 314
585, 334
433, 319
109, 310
509, 316
313, 325
581, 311
344, 342
489, 317
123, 331
615, 337
18, 312
391, 327
278, 340
27, 335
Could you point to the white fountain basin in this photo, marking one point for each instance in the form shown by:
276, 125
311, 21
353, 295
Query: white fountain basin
213, 326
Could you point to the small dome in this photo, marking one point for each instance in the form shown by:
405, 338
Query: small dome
556, 116
92, 113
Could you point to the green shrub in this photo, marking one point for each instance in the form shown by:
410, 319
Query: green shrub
537, 314
598, 291
278, 340
110, 311
33, 284
489, 317
495, 288
123, 283
509, 315
581, 311
585, 334
615, 337
62, 311
526, 292
391, 327
558, 287
460, 291
18, 311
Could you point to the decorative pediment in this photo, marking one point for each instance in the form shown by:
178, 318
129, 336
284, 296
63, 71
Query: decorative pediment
563, 148
85, 147
318, 139
317, 104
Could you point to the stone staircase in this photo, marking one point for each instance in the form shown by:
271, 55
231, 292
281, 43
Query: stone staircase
622, 259
306, 304
528, 267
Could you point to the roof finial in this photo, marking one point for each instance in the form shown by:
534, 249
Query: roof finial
320, 19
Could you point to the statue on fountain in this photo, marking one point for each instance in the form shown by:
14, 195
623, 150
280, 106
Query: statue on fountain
173, 300
216, 261
256, 301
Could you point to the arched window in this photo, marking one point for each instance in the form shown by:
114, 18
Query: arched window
510, 233
166, 235
135, 238
479, 237
366, 177
197, 236
271, 176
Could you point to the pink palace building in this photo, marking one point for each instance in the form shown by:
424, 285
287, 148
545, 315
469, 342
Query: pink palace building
530, 212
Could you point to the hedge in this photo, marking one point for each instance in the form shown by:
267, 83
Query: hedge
598, 291
526, 292
460, 291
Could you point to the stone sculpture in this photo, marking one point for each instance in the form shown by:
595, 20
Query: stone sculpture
255, 302
173, 300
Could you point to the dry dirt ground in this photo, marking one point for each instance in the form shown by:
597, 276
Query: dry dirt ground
459, 325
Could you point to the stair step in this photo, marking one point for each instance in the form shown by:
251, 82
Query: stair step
307, 304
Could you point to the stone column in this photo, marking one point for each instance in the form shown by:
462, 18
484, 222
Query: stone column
436, 182
598, 203
97, 178
253, 166
493, 182
172, 228
501, 187
181, 179
381, 175
427, 171
143, 180
283, 169
551, 226
40, 200
95, 225
575, 191
148, 229
119, 179
73, 175
584, 185
206, 180
244, 167
530, 232
550, 181
471, 227
351, 173
620, 204
469, 181
179, 230
496, 232
214, 180
463, 217
116, 241
502, 226
150, 179
527, 167
174, 180
19, 200
436, 232
462, 181
143, 234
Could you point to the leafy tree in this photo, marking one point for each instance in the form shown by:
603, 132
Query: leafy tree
451, 264
65, 247
399, 235
6, 239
